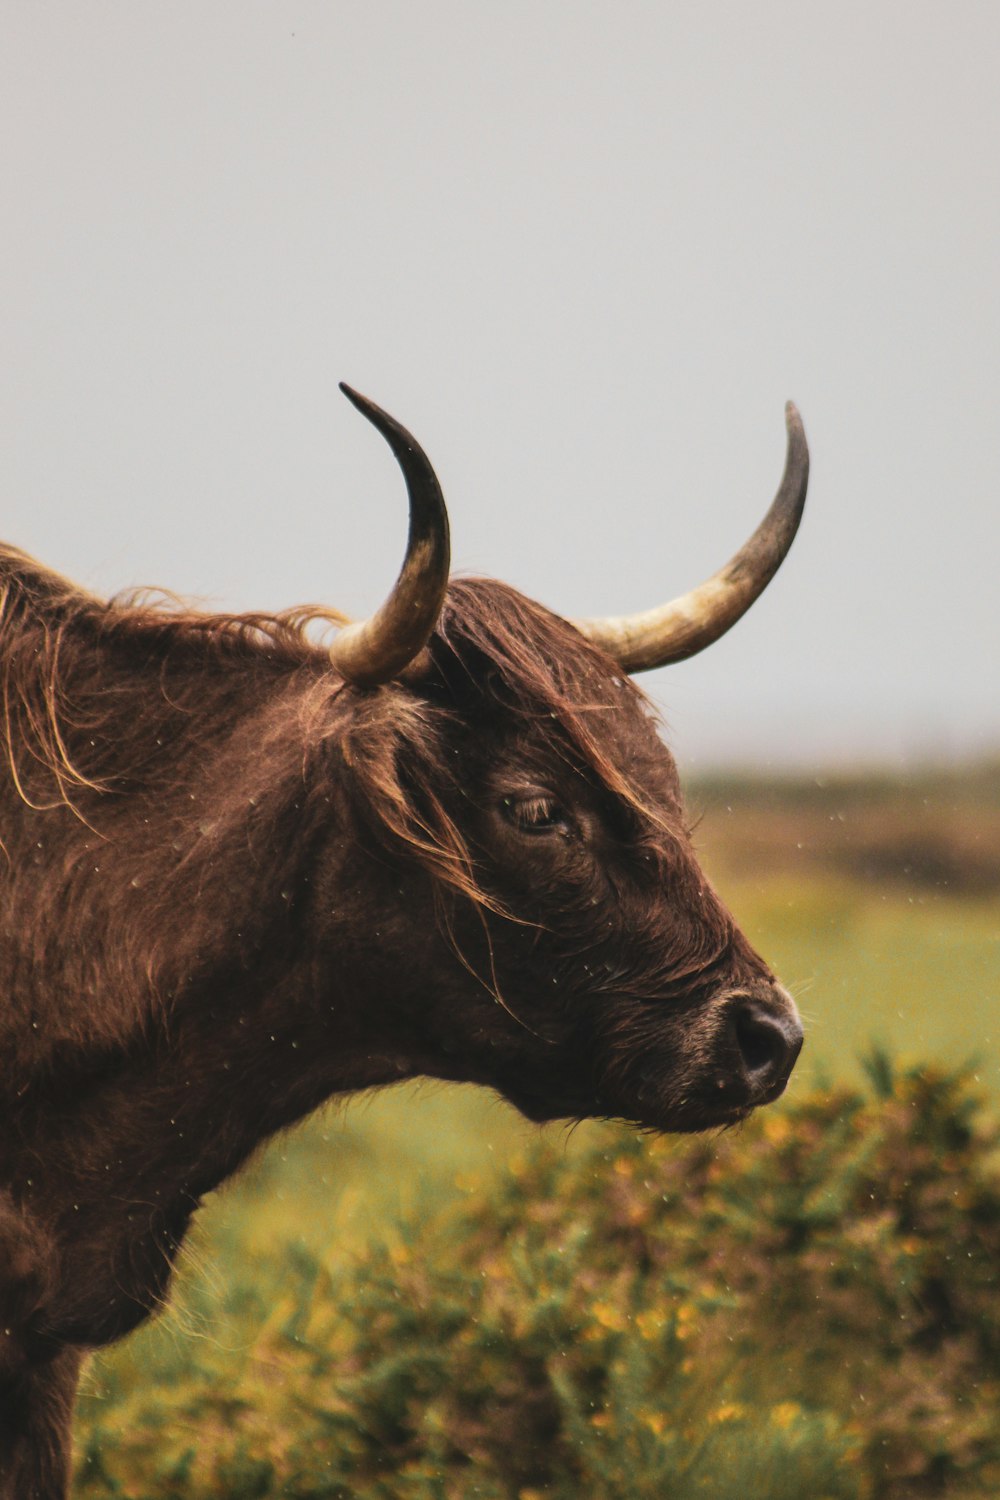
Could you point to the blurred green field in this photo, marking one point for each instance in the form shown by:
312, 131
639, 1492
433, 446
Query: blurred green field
887, 931
918, 974
877, 900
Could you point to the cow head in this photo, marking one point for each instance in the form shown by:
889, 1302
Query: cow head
506, 752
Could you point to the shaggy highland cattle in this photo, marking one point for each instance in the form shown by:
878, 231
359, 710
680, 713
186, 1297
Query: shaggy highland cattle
243, 872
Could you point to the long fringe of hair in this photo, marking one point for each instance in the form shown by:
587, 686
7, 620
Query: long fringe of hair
502, 652
499, 654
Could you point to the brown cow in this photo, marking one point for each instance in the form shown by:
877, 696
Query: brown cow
243, 873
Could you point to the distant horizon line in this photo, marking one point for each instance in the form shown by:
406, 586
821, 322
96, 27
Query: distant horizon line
797, 767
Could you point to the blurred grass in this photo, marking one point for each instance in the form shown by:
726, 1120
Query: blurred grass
887, 930
919, 974
877, 901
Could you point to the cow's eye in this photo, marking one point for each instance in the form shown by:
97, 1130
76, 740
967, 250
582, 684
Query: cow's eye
536, 814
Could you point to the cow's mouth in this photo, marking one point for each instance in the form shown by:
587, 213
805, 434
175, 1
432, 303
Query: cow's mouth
695, 1120
694, 1115
745, 1062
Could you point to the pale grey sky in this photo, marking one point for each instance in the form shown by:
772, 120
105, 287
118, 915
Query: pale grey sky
585, 252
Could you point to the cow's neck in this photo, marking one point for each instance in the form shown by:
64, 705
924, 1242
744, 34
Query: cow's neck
117, 1171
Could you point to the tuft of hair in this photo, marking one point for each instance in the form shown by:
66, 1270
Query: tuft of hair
491, 643
517, 659
538, 666
48, 624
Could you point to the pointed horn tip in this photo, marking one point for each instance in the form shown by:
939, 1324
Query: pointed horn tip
397, 437
353, 396
793, 417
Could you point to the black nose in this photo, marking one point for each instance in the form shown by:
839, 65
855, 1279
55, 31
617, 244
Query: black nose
768, 1041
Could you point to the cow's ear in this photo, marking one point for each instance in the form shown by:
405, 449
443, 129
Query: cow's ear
420, 671
459, 678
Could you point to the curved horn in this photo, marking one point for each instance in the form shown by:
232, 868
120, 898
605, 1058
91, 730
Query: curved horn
693, 621
377, 649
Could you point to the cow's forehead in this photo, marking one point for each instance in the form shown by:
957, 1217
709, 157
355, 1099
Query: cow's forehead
628, 752
549, 684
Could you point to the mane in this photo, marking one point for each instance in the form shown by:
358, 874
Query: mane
33, 594
45, 620
62, 698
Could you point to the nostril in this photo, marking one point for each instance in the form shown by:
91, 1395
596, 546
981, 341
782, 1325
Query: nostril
759, 1042
768, 1044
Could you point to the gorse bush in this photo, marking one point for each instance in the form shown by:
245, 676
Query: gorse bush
806, 1307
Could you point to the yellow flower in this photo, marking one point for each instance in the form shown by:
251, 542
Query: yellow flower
729, 1411
609, 1316
650, 1324
785, 1413
777, 1129
687, 1318
655, 1421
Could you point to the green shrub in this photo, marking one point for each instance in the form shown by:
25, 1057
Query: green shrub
805, 1307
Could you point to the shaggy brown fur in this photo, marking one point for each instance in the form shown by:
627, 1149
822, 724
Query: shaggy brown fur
234, 886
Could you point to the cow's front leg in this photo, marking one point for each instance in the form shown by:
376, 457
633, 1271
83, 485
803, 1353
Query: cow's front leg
37, 1378
29, 1274
36, 1410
